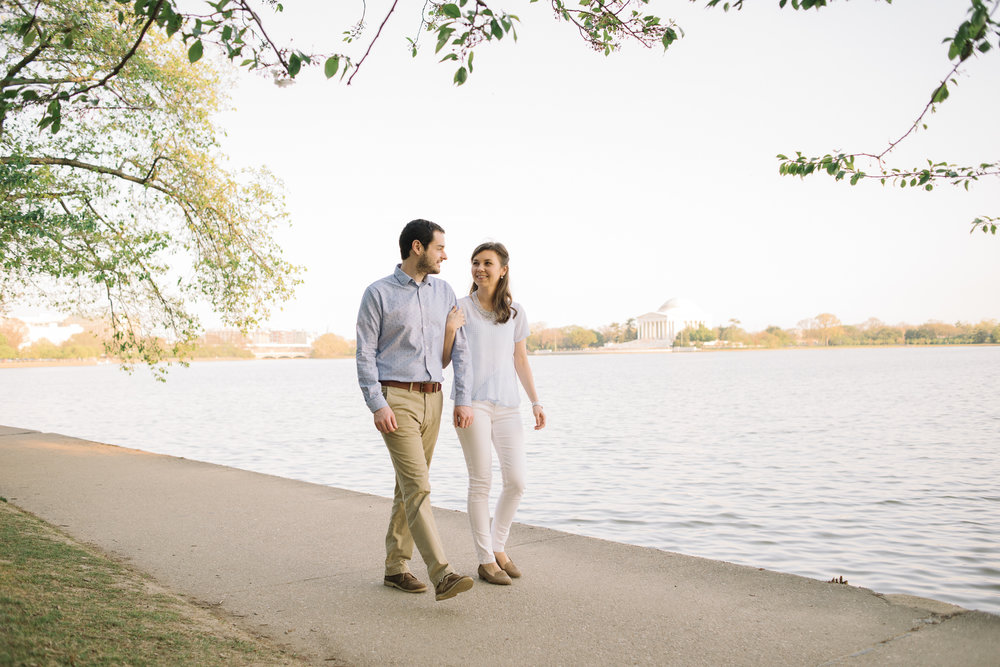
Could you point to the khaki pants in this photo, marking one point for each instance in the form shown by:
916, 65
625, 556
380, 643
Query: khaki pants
411, 446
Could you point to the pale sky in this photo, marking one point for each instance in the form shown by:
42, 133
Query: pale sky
619, 182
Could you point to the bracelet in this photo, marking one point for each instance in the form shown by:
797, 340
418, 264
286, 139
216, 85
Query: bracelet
536, 404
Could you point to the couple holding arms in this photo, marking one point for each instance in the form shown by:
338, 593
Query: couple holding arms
410, 327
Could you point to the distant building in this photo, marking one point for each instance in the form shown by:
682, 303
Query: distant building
264, 343
279, 344
54, 331
224, 337
663, 325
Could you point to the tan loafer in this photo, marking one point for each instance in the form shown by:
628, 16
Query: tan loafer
500, 578
511, 569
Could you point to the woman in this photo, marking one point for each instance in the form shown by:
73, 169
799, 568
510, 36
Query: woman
496, 329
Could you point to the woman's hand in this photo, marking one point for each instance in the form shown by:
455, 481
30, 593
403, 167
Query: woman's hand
456, 319
539, 413
454, 322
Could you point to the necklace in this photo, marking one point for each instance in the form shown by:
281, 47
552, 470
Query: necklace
489, 314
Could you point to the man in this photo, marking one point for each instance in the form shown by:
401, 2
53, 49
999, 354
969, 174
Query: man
400, 340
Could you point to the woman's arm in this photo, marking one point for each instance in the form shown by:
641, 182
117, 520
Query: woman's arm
523, 369
456, 318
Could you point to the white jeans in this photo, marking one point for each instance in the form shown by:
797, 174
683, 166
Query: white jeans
501, 427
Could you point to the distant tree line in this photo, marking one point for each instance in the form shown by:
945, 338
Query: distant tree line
824, 330
86, 344
90, 343
574, 337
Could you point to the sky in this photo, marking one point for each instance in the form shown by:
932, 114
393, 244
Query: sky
620, 182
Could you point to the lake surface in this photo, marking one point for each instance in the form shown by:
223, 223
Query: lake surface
878, 465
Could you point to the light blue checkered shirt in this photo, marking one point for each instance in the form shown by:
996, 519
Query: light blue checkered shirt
401, 336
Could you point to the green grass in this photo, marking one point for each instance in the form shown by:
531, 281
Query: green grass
64, 604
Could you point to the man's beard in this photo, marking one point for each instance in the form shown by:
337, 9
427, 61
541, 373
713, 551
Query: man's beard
425, 266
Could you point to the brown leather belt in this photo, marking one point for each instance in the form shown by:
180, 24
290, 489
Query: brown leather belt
425, 387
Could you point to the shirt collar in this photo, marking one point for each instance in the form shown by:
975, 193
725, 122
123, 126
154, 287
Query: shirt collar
403, 279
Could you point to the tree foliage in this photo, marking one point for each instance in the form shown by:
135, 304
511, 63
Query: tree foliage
113, 196
331, 346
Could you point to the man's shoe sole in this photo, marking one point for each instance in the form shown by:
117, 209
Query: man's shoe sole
462, 585
405, 590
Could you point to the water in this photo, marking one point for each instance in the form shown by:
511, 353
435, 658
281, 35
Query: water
877, 465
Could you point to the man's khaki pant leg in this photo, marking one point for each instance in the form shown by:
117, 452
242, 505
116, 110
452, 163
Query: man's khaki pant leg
411, 446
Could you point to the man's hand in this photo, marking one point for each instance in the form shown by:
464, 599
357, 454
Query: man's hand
463, 416
385, 420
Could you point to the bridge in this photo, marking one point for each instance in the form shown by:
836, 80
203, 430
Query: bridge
280, 350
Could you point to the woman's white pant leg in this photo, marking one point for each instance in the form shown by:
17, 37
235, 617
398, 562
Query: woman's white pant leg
476, 446
508, 439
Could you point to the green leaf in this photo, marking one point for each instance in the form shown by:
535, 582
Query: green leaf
941, 94
954, 49
174, 24
443, 34
294, 64
496, 29
460, 76
195, 52
451, 11
331, 66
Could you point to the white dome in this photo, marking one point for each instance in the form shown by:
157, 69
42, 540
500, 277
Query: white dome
676, 302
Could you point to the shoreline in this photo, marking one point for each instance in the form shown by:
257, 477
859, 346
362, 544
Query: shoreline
45, 363
42, 363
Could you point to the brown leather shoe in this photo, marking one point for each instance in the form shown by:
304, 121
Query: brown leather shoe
500, 578
452, 585
511, 569
406, 582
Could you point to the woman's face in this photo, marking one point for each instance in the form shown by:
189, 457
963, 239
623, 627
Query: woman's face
487, 270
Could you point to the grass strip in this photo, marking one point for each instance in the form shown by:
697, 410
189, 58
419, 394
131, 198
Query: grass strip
64, 604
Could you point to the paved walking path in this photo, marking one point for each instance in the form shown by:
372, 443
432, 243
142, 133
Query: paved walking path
301, 563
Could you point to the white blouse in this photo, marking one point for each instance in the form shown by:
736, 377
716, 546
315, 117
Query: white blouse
491, 350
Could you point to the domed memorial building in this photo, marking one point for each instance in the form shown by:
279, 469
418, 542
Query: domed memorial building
663, 325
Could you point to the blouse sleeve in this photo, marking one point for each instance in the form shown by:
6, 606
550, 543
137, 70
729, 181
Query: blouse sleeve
520, 324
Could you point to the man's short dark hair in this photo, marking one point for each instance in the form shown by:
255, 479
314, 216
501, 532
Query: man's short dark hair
417, 230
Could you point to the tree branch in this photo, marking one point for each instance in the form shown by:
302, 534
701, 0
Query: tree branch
384, 21
47, 82
77, 164
7, 80
260, 26
135, 47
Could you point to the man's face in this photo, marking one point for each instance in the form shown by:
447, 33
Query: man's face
432, 256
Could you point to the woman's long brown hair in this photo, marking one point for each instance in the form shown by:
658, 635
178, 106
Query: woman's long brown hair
502, 298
